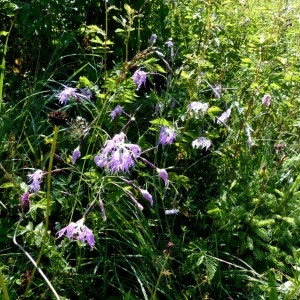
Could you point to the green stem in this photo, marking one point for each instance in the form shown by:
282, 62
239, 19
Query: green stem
159, 277
2, 66
48, 195
3, 286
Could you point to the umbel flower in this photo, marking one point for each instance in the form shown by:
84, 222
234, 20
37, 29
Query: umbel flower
196, 108
78, 231
139, 77
117, 155
166, 136
35, 181
202, 142
266, 100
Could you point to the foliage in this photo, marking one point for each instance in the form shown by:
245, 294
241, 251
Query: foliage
222, 84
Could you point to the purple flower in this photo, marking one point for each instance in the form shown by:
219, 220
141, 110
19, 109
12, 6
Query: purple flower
116, 155
78, 231
266, 100
162, 173
197, 107
139, 77
172, 211
86, 93
166, 136
146, 195
118, 110
170, 44
35, 181
25, 203
66, 94
153, 39
224, 116
76, 154
201, 142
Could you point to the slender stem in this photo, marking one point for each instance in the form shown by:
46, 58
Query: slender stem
34, 263
3, 286
2, 66
48, 196
159, 277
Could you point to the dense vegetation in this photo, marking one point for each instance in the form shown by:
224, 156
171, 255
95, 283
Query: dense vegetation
149, 149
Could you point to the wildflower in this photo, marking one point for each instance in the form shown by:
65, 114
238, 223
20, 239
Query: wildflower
153, 39
118, 110
66, 94
76, 155
202, 142
139, 77
224, 116
166, 136
162, 173
78, 231
25, 203
146, 195
172, 211
35, 180
248, 133
217, 90
266, 100
197, 107
170, 44
117, 155
86, 93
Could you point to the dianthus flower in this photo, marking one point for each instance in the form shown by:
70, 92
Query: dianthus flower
86, 93
170, 44
78, 231
162, 173
139, 77
166, 136
197, 107
35, 181
201, 142
153, 39
116, 155
224, 116
118, 110
76, 155
66, 94
25, 203
266, 100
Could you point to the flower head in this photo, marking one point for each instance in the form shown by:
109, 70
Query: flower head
66, 94
153, 39
147, 196
139, 77
201, 142
118, 110
196, 108
25, 203
170, 44
35, 181
266, 100
86, 93
76, 155
116, 155
162, 173
58, 117
78, 231
224, 116
166, 136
